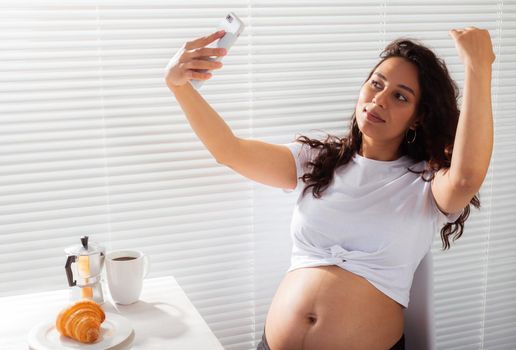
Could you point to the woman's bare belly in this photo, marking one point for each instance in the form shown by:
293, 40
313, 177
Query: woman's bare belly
329, 308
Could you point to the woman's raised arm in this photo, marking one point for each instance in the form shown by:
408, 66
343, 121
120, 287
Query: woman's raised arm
266, 163
453, 188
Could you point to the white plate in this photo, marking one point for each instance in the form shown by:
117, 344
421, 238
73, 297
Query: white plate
114, 330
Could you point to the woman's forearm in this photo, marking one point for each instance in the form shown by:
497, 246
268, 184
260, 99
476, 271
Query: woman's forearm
211, 129
474, 137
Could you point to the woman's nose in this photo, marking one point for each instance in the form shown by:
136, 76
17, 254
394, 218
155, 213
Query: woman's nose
379, 99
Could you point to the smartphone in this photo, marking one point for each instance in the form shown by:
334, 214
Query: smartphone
233, 26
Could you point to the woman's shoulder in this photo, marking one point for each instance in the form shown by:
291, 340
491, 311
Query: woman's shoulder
418, 165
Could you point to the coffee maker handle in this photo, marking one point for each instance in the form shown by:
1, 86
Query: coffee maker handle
68, 268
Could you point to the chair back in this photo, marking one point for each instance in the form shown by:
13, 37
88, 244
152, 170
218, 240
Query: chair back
419, 316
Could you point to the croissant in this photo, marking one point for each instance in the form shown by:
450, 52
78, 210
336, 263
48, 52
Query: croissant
81, 321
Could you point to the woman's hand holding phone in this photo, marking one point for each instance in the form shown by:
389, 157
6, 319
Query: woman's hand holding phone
193, 60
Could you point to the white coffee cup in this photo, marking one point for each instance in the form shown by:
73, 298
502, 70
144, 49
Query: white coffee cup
125, 271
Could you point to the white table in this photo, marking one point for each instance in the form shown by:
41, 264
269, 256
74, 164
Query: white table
164, 318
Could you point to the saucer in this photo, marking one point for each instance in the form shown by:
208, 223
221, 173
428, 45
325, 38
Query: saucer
113, 331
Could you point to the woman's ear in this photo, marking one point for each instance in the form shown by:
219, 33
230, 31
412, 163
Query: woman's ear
415, 123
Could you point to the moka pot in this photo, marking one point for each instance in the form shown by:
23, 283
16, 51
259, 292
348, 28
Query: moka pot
84, 263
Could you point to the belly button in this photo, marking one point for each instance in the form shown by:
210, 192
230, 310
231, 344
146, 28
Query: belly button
312, 319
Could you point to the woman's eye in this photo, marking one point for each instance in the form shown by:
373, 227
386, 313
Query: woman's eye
375, 84
404, 98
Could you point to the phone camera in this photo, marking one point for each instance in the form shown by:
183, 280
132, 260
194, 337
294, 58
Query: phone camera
229, 18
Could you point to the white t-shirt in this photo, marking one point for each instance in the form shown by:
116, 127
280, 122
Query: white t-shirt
375, 219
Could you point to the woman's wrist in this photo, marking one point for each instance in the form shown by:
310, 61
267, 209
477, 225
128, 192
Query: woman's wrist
177, 88
480, 69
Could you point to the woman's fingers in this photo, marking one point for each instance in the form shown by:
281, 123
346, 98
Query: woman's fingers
462, 30
203, 53
474, 46
194, 60
202, 64
203, 41
197, 75
455, 32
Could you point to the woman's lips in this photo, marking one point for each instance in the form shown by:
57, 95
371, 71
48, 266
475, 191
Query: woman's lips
373, 118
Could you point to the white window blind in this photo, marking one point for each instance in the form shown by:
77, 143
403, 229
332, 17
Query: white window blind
92, 142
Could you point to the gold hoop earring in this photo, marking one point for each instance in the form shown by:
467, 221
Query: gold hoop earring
413, 139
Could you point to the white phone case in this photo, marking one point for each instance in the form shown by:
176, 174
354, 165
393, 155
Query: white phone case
233, 27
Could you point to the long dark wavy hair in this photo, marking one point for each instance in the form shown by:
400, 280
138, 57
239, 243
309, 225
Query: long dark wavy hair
438, 116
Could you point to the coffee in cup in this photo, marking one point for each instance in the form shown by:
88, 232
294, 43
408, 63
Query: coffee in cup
124, 258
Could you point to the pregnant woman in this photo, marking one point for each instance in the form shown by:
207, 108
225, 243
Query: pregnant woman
369, 203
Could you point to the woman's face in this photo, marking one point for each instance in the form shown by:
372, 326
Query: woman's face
392, 93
